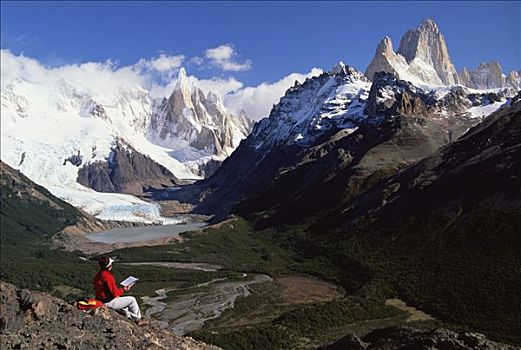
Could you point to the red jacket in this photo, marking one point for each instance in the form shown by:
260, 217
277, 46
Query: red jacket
105, 286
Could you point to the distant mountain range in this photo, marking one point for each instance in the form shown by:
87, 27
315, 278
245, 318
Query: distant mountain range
308, 154
71, 140
91, 150
416, 179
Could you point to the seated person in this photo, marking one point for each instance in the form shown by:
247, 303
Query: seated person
110, 294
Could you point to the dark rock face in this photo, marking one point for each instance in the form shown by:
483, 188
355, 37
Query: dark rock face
390, 96
75, 159
34, 320
477, 169
126, 171
411, 338
209, 168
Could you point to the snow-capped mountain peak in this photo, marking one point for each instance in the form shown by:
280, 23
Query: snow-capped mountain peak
197, 127
334, 100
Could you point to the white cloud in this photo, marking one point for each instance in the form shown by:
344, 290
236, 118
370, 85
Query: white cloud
257, 101
220, 53
105, 79
224, 57
196, 60
164, 67
221, 87
165, 63
100, 78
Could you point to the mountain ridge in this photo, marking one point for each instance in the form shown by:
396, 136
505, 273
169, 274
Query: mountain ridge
52, 130
278, 144
423, 58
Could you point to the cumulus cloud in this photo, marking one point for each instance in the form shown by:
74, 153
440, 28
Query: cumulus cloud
257, 101
105, 79
101, 79
164, 62
163, 67
225, 57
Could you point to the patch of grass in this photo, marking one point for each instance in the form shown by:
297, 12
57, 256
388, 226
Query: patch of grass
301, 327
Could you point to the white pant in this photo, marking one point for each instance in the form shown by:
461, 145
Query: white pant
126, 305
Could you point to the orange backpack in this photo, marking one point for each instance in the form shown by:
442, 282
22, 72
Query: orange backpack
88, 304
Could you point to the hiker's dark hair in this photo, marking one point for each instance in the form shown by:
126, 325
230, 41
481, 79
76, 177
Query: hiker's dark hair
104, 262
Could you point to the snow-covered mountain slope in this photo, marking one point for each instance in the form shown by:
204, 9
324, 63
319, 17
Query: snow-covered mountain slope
51, 130
197, 127
341, 100
329, 102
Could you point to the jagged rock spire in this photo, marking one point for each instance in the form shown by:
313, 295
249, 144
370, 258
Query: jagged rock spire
198, 119
422, 57
385, 59
428, 44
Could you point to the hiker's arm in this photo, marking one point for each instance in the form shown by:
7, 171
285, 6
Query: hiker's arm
114, 290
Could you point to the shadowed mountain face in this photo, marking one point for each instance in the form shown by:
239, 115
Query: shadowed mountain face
481, 169
411, 338
31, 217
29, 211
444, 233
329, 139
126, 171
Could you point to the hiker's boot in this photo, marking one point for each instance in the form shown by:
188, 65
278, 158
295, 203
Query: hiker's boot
142, 322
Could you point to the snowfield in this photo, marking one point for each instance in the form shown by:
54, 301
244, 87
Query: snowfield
112, 206
40, 133
56, 120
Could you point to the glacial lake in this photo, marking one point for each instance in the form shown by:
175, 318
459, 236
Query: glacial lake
143, 233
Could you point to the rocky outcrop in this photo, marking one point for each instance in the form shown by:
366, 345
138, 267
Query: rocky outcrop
489, 154
34, 320
412, 338
390, 96
385, 60
422, 58
513, 79
125, 171
489, 75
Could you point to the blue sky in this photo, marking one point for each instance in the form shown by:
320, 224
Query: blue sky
269, 39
